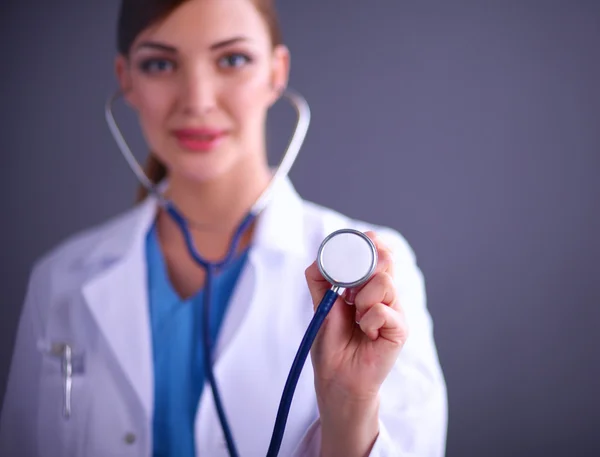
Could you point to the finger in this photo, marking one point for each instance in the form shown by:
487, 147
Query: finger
313, 273
379, 289
385, 257
350, 295
385, 262
385, 322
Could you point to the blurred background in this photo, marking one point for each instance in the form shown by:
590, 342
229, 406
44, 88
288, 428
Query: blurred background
473, 128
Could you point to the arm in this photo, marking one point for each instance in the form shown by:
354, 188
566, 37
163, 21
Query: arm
18, 422
411, 405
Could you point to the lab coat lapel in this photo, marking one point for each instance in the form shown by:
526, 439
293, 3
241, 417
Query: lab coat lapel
117, 298
278, 234
276, 261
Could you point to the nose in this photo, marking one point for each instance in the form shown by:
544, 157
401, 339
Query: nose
198, 93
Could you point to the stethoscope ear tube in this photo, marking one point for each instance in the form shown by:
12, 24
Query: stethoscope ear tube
292, 150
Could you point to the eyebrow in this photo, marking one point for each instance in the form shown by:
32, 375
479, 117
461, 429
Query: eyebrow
173, 50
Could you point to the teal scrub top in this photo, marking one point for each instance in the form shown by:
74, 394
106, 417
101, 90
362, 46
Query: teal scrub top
176, 327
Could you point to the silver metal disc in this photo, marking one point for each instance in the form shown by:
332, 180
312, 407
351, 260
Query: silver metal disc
347, 258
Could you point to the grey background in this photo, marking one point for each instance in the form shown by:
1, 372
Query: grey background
471, 127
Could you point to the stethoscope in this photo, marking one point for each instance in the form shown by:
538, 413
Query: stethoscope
346, 258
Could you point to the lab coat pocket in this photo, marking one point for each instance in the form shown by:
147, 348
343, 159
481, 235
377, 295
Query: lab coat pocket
63, 411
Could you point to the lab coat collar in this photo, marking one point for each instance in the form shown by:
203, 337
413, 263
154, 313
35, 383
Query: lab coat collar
117, 295
279, 227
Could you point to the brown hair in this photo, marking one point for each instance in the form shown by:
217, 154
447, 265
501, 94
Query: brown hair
136, 15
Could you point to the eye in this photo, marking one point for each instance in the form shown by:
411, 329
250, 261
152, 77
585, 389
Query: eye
234, 60
156, 66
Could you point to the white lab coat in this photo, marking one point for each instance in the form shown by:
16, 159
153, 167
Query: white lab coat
91, 292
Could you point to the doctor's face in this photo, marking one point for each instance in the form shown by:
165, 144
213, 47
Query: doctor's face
201, 81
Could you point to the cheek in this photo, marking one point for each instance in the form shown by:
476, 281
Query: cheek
154, 105
249, 100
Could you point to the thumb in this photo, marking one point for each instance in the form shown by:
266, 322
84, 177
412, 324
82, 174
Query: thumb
317, 284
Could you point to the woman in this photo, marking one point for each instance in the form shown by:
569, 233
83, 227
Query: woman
201, 75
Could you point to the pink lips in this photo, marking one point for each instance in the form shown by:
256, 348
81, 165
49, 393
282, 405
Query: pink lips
200, 139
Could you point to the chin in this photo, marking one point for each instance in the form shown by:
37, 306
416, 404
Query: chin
201, 169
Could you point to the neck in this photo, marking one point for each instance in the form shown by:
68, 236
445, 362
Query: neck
221, 203
214, 208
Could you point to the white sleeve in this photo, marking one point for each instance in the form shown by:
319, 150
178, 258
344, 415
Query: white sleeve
413, 411
18, 420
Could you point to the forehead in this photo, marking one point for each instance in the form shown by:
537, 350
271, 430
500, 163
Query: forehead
201, 23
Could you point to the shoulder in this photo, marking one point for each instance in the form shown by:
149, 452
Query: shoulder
68, 264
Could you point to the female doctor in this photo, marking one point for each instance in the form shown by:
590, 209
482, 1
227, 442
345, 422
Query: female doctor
125, 296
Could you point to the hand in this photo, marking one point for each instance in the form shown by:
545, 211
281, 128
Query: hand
356, 348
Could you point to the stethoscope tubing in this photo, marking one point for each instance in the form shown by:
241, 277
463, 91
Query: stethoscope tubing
321, 312
292, 150
211, 269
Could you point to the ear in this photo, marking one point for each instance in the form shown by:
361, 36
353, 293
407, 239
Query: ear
123, 74
280, 71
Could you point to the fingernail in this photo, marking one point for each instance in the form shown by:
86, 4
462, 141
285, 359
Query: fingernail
358, 316
350, 296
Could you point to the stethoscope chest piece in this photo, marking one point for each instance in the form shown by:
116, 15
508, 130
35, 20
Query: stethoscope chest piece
347, 258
